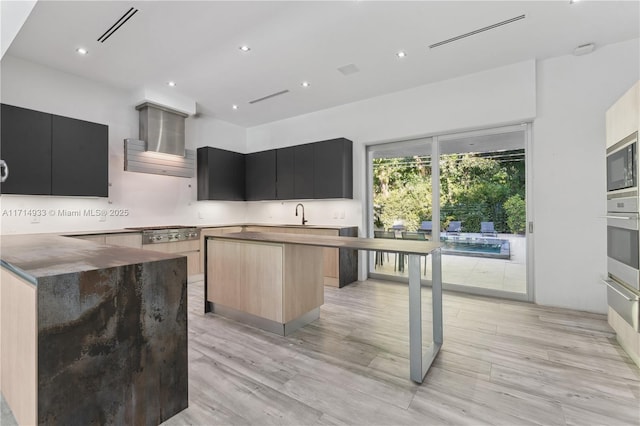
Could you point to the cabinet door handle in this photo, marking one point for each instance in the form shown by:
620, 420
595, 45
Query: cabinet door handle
611, 285
5, 170
620, 217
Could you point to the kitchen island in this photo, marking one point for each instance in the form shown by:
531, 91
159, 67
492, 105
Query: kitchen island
90, 333
274, 281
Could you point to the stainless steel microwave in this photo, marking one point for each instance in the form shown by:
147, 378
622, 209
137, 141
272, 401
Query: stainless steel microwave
622, 165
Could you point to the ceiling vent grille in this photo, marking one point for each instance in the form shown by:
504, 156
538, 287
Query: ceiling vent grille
120, 22
478, 31
348, 69
264, 98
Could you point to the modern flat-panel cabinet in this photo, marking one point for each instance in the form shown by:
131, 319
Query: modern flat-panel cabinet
260, 175
311, 171
79, 153
221, 174
340, 265
25, 144
53, 155
204, 232
333, 171
303, 170
285, 173
623, 118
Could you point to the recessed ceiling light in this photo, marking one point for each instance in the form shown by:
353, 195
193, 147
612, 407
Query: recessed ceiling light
244, 48
82, 51
305, 84
171, 83
234, 106
401, 54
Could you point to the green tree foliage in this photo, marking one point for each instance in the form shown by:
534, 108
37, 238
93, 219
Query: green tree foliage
473, 189
516, 213
402, 191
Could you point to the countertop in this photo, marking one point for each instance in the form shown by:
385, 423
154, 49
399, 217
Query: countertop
377, 244
33, 256
201, 226
38, 255
280, 225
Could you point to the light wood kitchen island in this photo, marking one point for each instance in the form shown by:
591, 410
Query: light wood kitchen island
274, 281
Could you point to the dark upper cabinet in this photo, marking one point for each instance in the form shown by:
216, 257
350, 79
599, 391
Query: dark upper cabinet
25, 144
303, 170
310, 171
333, 171
221, 174
80, 157
285, 173
52, 155
260, 175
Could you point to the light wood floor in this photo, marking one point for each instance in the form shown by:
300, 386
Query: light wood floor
502, 362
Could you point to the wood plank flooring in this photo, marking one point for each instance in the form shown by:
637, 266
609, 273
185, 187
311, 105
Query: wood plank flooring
502, 362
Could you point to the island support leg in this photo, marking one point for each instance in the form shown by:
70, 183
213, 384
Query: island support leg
419, 363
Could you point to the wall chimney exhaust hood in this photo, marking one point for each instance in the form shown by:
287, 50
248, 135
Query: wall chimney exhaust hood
160, 147
162, 129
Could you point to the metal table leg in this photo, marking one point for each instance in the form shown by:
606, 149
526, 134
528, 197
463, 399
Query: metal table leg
419, 363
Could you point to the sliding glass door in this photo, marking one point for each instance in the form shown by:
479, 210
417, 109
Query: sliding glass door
472, 200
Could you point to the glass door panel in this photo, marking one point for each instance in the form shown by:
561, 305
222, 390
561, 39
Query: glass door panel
481, 207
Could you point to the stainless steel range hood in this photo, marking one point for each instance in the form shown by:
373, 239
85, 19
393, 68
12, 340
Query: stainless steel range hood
160, 147
162, 129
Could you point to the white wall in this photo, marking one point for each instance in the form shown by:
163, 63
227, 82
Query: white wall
150, 199
569, 172
499, 96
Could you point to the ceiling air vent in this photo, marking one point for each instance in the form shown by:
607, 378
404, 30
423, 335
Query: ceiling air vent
478, 31
348, 69
264, 98
120, 22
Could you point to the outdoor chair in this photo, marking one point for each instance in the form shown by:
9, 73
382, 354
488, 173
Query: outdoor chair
398, 225
487, 229
426, 227
416, 236
391, 235
454, 227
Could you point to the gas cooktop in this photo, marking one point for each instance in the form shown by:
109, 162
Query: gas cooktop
155, 228
167, 234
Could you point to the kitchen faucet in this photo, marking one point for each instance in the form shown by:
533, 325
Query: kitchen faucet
303, 219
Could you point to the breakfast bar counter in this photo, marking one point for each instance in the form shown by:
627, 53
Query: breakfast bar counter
274, 281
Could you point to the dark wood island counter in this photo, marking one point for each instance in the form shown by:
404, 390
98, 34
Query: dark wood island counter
90, 333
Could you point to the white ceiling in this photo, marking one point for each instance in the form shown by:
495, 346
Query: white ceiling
196, 45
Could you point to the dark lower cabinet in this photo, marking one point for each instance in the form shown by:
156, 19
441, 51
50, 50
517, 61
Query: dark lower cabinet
25, 144
285, 173
52, 155
260, 175
221, 174
303, 167
80, 153
333, 171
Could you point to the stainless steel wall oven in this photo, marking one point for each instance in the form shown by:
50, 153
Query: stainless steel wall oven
623, 230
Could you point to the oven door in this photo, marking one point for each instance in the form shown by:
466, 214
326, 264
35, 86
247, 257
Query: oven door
623, 258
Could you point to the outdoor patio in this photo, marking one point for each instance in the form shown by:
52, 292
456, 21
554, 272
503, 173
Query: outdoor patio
480, 272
